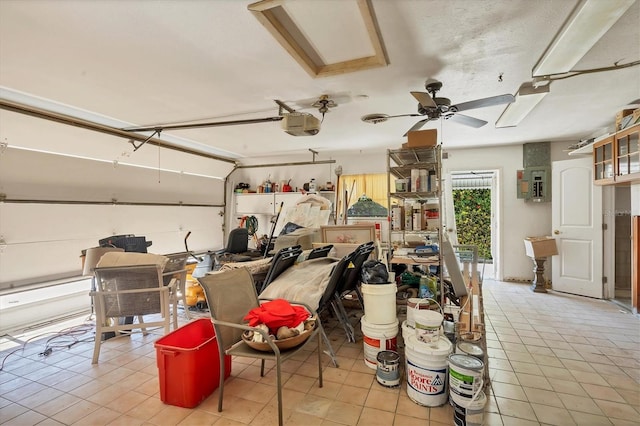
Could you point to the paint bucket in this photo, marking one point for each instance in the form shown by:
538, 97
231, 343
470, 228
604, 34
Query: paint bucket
388, 371
469, 348
407, 331
426, 368
468, 412
376, 338
402, 185
380, 303
428, 325
413, 304
465, 375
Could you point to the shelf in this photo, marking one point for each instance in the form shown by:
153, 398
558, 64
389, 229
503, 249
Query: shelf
400, 165
284, 193
416, 196
588, 149
415, 260
414, 156
412, 232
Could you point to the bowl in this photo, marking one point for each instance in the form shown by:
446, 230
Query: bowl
282, 344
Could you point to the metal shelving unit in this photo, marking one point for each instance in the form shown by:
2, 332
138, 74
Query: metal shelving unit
424, 165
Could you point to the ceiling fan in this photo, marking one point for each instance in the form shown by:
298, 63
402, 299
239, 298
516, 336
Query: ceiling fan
433, 108
295, 123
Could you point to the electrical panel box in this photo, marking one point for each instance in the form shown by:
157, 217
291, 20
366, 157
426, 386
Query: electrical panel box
534, 184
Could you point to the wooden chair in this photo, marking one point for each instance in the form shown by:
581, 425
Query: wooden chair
231, 294
129, 291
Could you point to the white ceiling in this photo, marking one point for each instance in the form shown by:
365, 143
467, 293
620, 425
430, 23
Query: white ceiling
149, 62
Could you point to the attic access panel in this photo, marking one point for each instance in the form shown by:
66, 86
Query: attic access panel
325, 38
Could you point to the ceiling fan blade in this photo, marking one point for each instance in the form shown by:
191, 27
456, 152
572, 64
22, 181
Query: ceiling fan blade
417, 126
405, 115
425, 99
485, 102
466, 120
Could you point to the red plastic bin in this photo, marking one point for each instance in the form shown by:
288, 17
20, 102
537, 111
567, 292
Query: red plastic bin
188, 364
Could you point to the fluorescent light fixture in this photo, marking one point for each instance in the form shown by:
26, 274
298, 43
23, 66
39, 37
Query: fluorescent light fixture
527, 98
589, 21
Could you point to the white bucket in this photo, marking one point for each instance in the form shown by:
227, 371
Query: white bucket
427, 371
380, 303
469, 348
377, 338
465, 375
388, 372
407, 331
468, 412
428, 325
413, 304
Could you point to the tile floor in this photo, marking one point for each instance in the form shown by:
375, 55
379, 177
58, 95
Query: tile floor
554, 359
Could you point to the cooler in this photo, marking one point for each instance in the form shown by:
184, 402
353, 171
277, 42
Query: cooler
188, 364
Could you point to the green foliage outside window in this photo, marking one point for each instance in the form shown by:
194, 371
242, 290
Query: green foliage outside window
473, 219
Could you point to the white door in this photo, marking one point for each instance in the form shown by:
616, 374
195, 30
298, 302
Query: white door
448, 216
577, 226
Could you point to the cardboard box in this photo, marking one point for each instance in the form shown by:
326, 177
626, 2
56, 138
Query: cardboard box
620, 116
539, 247
397, 218
422, 138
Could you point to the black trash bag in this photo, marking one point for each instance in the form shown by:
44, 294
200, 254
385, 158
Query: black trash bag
374, 272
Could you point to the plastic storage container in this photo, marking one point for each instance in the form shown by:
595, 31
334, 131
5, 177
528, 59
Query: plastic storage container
188, 364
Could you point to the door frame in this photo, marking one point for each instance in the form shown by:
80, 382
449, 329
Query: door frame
496, 213
591, 232
609, 241
635, 265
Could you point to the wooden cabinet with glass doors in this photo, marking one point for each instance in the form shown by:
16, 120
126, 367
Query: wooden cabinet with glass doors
628, 154
616, 159
603, 161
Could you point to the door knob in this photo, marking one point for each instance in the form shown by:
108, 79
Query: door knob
556, 232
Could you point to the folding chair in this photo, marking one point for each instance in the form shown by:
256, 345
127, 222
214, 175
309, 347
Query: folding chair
231, 294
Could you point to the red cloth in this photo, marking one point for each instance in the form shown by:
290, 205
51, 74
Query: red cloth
277, 313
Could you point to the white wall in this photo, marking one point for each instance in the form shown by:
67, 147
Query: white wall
352, 163
520, 218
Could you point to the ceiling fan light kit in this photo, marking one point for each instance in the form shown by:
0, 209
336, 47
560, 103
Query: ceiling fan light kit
526, 99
